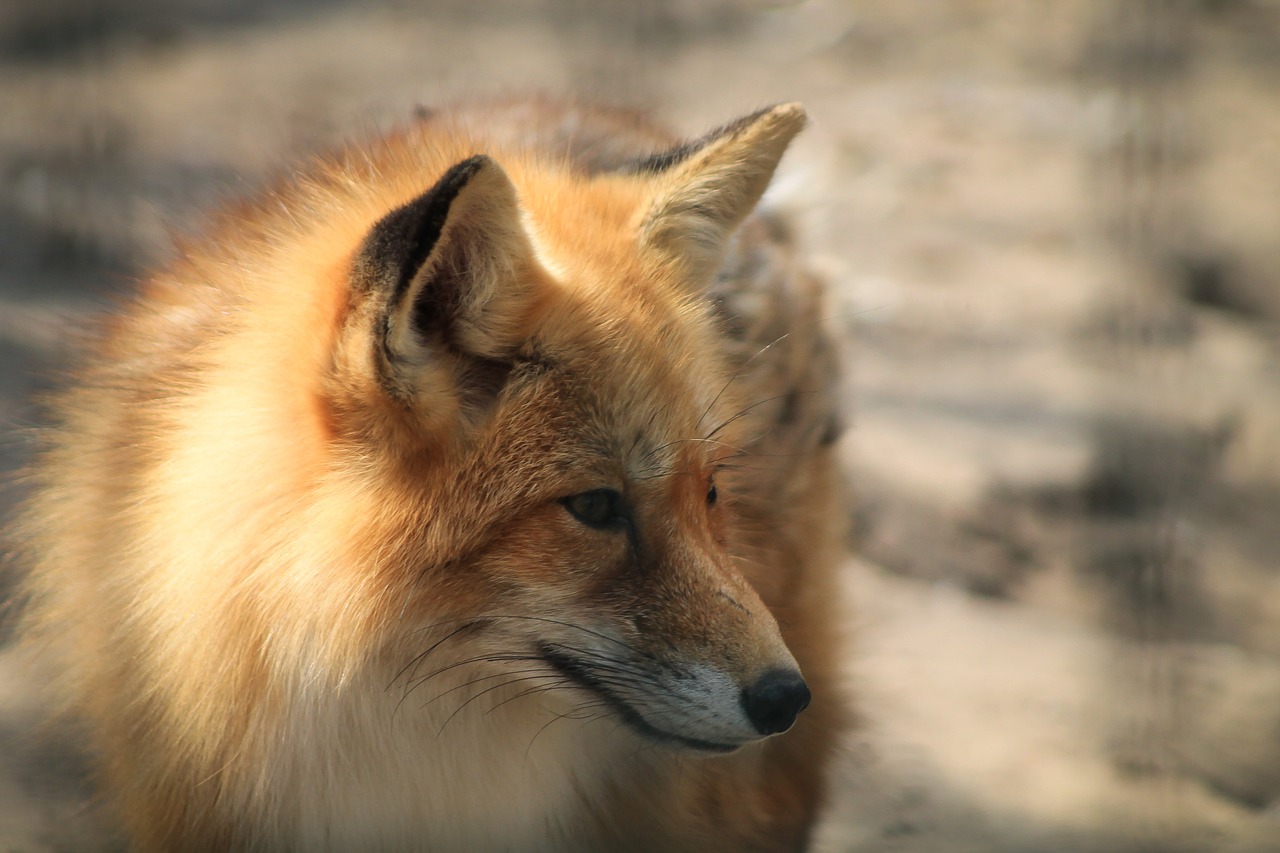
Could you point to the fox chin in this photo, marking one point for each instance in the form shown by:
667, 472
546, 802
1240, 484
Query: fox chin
470, 489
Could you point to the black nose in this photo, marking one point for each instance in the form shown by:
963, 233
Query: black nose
773, 702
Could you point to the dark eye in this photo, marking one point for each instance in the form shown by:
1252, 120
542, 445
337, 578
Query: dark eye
711, 495
599, 508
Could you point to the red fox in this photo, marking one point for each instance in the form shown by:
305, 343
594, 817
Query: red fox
471, 490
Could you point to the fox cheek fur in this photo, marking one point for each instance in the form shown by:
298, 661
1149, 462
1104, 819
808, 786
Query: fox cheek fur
363, 515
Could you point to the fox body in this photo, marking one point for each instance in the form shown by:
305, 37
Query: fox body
469, 491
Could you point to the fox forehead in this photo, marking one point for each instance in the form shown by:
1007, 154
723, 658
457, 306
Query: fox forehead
620, 322
632, 392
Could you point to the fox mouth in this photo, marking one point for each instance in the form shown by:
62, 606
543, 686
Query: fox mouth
583, 675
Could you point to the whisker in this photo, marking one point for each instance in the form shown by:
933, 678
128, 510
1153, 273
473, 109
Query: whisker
410, 687
581, 628
663, 447
522, 673
559, 683
558, 717
471, 699
419, 658
738, 373
747, 409
490, 658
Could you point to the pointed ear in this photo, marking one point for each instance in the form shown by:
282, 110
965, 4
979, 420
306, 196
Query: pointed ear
453, 272
707, 187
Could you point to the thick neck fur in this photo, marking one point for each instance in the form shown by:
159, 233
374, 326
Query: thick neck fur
377, 769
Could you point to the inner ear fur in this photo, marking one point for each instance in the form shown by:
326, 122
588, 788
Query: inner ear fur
453, 273
705, 188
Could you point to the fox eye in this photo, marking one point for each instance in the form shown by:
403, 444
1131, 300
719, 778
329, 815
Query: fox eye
712, 495
599, 508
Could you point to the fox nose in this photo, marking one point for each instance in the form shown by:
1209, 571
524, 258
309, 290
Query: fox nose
774, 701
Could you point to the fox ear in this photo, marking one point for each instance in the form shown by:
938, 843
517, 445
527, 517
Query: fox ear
707, 187
454, 272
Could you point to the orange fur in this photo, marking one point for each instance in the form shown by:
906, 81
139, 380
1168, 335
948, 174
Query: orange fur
302, 543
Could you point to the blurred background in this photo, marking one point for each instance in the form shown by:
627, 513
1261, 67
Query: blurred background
1052, 235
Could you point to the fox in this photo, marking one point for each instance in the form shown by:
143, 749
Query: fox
471, 488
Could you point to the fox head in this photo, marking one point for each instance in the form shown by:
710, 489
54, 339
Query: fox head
526, 382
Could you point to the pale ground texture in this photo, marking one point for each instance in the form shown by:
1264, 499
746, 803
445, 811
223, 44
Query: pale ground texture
1051, 232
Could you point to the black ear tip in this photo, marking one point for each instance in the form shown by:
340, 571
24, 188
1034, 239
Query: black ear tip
430, 269
401, 241
460, 174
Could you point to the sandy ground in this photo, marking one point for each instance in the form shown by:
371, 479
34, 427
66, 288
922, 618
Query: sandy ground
1050, 231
